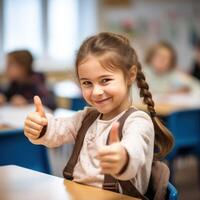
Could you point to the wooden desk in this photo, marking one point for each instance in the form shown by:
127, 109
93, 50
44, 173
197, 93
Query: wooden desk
164, 109
17, 183
166, 104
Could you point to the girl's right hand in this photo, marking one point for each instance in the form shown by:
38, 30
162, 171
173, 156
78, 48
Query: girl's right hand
35, 121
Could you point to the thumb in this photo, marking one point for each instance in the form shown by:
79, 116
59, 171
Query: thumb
114, 134
39, 106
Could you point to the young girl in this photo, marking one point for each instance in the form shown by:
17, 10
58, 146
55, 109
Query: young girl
23, 82
106, 67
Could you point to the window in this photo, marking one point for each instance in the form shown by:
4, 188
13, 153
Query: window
63, 29
51, 29
22, 25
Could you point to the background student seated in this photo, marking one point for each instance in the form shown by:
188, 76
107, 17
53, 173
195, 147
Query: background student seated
23, 82
163, 75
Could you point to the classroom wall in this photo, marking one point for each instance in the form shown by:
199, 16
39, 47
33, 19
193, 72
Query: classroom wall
147, 22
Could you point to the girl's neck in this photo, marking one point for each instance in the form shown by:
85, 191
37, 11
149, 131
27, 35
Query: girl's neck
120, 108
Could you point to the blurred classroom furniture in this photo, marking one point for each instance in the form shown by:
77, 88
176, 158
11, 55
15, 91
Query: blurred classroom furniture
172, 193
185, 127
21, 184
16, 149
69, 95
13, 116
167, 104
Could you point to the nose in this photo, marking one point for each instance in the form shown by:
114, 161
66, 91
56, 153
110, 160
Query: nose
97, 90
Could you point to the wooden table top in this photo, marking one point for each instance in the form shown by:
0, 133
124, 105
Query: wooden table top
165, 109
17, 183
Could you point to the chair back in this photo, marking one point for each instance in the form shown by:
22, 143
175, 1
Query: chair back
172, 193
185, 127
158, 183
77, 103
16, 149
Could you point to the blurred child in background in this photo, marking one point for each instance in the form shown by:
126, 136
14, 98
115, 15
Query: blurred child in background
23, 82
195, 70
163, 76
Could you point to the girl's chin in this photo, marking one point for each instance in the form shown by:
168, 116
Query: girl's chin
103, 111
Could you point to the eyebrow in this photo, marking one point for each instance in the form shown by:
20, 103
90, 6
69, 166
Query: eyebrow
100, 77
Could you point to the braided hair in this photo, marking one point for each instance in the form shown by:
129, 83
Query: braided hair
114, 51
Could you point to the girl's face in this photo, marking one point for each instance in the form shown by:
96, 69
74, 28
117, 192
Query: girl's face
103, 89
161, 60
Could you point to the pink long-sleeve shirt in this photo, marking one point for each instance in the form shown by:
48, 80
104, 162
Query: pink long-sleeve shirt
138, 139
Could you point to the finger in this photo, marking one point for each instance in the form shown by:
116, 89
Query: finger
33, 125
105, 165
30, 136
37, 119
114, 134
31, 133
109, 159
39, 106
106, 150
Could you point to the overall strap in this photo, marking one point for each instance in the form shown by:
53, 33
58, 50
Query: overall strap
111, 183
86, 123
121, 121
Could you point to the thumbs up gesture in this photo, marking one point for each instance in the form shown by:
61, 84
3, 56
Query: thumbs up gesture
35, 121
38, 106
113, 157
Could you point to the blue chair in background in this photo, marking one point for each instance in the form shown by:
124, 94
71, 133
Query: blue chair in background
172, 193
77, 103
185, 127
16, 149
70, 91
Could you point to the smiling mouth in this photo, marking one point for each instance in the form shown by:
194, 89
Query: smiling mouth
102, 101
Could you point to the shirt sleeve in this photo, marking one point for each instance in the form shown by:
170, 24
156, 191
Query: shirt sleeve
138, 140
62, 130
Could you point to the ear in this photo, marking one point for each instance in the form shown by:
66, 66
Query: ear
132, 74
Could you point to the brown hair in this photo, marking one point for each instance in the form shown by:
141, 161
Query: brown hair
166, 45
115, 51
23, 57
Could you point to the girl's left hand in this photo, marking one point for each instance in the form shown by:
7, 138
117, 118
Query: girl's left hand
112, 157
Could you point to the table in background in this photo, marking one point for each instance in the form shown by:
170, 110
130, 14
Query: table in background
17, 183
14, 116
167, 104
12, 119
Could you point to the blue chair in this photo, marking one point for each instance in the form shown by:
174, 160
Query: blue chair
77, 103
185, 127
16, 149
172, 193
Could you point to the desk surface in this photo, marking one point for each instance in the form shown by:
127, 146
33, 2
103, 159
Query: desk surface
17, 183
166, 104
165, 109
14, 116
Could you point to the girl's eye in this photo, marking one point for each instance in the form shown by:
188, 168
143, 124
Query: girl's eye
86, 83
105, 80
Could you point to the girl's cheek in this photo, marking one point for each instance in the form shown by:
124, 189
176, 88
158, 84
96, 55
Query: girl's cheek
86, 94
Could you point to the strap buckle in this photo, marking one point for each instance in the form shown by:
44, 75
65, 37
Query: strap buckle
67, 175
111, 186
